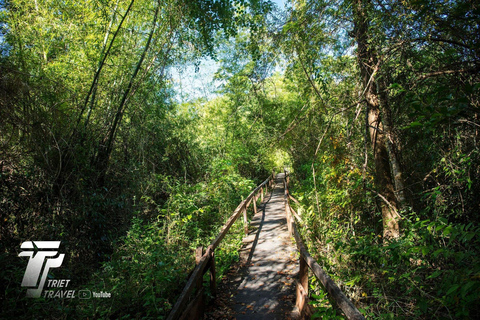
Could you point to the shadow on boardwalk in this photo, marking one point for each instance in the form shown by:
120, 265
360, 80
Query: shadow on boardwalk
262, 285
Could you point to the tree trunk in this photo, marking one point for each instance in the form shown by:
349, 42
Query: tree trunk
104, 54
368, 63
106, 145
392, 143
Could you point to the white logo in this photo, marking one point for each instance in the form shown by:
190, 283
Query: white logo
43, 256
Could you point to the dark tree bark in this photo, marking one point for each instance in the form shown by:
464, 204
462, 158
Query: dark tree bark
368, 63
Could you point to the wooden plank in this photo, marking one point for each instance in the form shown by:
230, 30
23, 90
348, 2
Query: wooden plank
234, 216
303, 274
198, 255
289, 216
227, 225
293, 199
295, 214
348, 308
256, 189
245, 220
197, 273
195, 309
287, 193
302, 298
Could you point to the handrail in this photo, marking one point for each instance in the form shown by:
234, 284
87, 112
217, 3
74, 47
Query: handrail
182, 308
348, 308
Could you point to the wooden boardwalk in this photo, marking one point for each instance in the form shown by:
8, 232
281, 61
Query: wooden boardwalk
263, 286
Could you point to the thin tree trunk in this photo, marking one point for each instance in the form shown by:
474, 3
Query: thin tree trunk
367, 60
107, 145
101, 63
392, 142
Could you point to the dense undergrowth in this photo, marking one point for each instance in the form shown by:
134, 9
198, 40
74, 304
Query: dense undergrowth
431, 271
148, 266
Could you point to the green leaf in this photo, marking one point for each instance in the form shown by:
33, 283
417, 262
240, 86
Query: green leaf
469, 236
425, 251
415, 124
452, 289
447, 230
466, 287
443, 219
435, 274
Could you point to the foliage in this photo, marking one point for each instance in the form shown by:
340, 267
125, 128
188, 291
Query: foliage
95, 150
149, 268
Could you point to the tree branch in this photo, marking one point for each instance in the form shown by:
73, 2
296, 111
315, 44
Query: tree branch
441, 73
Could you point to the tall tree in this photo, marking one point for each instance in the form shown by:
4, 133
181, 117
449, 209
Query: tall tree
375, 98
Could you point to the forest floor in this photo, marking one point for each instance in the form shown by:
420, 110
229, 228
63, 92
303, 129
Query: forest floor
261, 285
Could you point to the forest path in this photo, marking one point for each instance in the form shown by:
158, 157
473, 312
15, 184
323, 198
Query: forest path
262, 285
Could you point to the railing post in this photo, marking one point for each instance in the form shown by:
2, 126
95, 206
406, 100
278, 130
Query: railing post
198, 257
302, 286
287, 205
287, 212
262, 193
213, 282
255, 204
303, 274
245, 220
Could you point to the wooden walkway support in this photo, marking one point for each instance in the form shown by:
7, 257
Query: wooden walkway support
190, 303
306, 262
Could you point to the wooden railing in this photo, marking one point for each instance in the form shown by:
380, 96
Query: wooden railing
348, 308
188, 307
